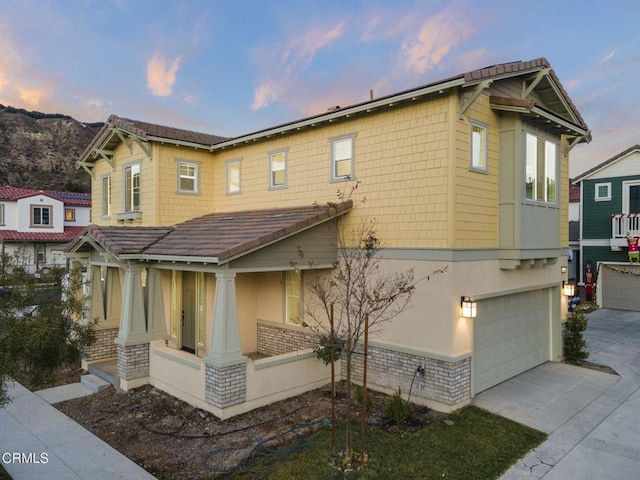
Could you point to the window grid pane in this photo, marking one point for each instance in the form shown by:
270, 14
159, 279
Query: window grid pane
278, 169
233, 174
342, 158
188, 177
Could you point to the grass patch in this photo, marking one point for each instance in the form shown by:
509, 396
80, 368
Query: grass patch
3, 474
470, 443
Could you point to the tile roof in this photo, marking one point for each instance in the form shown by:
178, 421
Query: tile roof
68, 198
13, 236
222, 236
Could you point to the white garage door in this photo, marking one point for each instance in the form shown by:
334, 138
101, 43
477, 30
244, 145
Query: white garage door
620, 287
511, 335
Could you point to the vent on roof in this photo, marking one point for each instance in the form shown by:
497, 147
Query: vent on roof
333, 109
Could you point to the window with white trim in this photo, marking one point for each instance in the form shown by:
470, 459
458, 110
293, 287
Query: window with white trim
187, 177
41, 216
540, 170
342, 163
106, 196
41, 253
478, 147
602, 192
293, 312
132, 188
278, 169
233, 177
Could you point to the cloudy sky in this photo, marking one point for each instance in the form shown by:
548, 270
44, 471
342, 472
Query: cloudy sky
231, 67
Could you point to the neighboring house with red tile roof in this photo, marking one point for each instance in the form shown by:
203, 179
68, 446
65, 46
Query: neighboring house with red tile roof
38, 221
194, 236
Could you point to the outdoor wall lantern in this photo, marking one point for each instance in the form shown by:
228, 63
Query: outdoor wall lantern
563, 269
568, 289
468, 307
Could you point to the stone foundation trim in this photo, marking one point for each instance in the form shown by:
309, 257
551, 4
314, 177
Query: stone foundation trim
133, 361
104, 347
225, 386
446, 382
274, 339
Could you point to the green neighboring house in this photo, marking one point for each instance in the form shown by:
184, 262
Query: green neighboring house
610, 209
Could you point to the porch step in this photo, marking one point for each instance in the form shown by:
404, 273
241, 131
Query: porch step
107, 371
94, 383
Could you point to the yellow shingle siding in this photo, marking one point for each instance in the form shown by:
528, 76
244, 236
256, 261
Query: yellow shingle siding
476, 194
401, 157
174, 206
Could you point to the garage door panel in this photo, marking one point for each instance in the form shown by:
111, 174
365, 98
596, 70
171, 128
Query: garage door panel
511, 335
620, 287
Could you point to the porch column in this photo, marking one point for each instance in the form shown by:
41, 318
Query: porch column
156, 323
132, 341
226, 374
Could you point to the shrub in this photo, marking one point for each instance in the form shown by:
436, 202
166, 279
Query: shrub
397, 410
574, 347
359, 393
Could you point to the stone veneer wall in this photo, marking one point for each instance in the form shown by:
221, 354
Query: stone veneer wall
104, 346
445, 382
133, 361
274, 340
225, 386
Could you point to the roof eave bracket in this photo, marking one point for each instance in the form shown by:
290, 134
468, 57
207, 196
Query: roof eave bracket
534, 83
474, 96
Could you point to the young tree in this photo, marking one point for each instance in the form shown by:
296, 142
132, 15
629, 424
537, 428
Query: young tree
40, 322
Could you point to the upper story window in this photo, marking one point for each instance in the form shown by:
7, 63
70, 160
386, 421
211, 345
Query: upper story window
41, 216
342, 153
69, 214
478, 147
132, 188
1, 214
187, 177
602, 192
278, 169
233, 177
106, 196
541, 167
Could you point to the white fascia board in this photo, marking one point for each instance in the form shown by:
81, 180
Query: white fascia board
341, 113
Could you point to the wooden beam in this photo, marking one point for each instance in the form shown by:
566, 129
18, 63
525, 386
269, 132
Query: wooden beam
536, 80
474, 96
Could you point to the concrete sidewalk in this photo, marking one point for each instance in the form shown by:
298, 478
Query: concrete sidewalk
39, 442
591, 417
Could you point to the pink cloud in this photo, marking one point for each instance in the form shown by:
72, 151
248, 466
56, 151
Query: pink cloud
31, 96
436, 36
161, 75
296, 56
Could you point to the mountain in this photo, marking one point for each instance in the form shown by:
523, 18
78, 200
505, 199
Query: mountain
39, 150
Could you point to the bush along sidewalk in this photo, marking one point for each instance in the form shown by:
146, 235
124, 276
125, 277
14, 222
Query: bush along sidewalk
574, 346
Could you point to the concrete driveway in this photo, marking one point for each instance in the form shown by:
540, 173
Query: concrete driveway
591, 417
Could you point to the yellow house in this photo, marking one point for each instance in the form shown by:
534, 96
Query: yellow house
190, 253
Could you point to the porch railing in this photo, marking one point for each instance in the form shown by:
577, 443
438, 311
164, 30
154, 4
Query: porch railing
625, 223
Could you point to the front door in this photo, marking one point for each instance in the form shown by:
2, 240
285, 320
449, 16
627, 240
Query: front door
189, 311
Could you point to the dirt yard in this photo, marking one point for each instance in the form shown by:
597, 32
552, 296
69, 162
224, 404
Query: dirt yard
173, 440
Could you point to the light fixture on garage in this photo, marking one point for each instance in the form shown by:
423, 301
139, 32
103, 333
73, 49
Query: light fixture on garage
568, 289
468, 307
563, 269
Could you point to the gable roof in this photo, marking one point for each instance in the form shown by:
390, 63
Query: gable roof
117, 129
68, 198
214, 238
557, 108
606, 163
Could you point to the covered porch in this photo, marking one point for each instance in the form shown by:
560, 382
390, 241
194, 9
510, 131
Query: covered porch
203, 310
